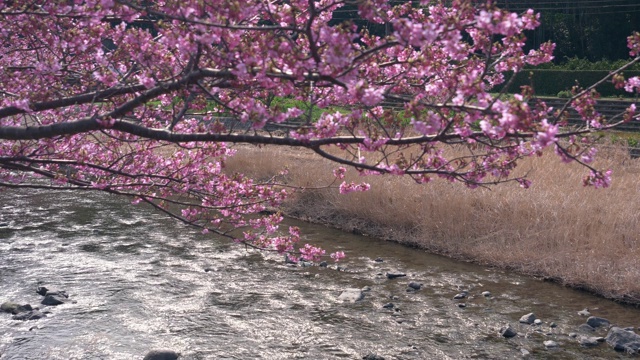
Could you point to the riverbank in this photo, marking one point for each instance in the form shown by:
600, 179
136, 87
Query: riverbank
580, 237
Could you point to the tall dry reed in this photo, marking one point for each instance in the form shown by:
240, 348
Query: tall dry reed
557, 229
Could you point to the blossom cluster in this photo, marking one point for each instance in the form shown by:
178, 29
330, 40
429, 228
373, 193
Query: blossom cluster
142, 99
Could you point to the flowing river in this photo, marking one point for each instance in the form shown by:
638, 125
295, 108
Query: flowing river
140, 281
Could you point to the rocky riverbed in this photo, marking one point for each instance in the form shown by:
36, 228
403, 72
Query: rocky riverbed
132, 284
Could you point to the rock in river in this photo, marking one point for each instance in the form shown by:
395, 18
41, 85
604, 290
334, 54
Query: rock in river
528, 319
161, 355
415, 286
461, 295
623, 340
550, 344
54, 300
394, 275
14, 308
508, 332
595, 321
29, 315
351, 295
589, 341
584, 312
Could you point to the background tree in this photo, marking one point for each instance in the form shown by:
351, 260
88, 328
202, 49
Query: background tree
91, 100
587, 29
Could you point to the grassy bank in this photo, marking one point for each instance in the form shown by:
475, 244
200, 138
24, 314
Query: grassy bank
557, 229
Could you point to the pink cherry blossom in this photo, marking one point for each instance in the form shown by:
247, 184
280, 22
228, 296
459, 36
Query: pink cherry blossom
146, 101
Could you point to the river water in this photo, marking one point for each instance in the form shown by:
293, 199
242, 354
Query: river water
141, 281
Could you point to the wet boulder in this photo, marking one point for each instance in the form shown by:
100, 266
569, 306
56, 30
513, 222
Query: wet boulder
29, 315
54, 299
550, 344
586, 328
595, 321
528, 318
508, 332
589, 341
395, 275
351, 295
414, 286
372, 356
461, 295
623, 340
9, 306
14, 308
161, 355
42, 290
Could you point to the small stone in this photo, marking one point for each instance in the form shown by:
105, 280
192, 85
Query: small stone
588, 341
461, 295
584, 312
573, 335
528, 318
537, 322
595, 321
161, 355
508, 332
42, 290
462, 305
366, 288
415, 286
486, 293
372, 356
351, 295
586, 328
323, 264
550, 344
388, 306
395, 275
525, 352
553, 325
60, 293
379, 259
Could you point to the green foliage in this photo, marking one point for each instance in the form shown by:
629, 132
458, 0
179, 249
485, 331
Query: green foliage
630, 139
285, 103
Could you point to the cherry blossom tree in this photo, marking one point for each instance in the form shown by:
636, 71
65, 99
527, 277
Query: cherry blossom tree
140, 98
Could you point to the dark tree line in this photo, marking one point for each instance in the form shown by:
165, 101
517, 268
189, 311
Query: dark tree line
587, 29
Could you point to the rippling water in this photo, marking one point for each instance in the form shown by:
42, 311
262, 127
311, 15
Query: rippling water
142, 281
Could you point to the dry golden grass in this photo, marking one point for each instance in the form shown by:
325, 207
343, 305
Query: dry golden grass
558, 229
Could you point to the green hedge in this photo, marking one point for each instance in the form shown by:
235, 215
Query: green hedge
551, 82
